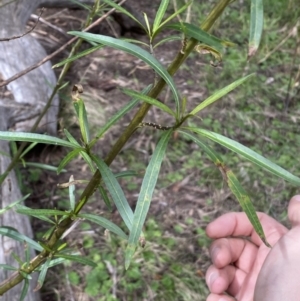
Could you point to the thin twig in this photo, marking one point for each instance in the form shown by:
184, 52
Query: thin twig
27, 32
53, 54
60, 30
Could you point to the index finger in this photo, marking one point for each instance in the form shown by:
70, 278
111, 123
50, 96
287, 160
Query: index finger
237, 224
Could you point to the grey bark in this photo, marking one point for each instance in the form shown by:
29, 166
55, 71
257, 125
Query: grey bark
20, 104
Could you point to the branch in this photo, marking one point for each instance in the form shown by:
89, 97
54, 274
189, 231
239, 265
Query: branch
24, 34
53, 54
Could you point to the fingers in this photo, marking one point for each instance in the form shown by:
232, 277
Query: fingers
218, 280
214, 297
238, 224
226, 251
294, 210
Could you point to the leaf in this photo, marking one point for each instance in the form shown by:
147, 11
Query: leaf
256, 26
112, 120
135, 51
245, 203
43, 166
115, 191
214, 156
234, 186
28, 148
147, 24
176, 13
149, 100
105, 223
167, 39
126, 173
160, 14
70, 156
8, 207
145, 196
42, 274
83, 120
76, 258
14, 234
8, 267
41, 217
249, 155
31, 137
200, 35
220, 93
41, 212
24, 289
72, 193
71, 138
105, 198
124, 11
77, 56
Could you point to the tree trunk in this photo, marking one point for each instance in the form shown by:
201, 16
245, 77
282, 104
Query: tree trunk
20, 104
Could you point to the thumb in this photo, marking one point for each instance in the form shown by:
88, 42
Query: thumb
294, 211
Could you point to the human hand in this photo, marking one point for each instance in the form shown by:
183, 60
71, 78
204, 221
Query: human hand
241, 261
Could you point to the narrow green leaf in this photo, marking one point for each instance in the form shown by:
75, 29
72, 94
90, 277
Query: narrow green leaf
145, 196
119, 115
220, 93
8, 267
41, 212
72, 193
82, 119
105, 223
8, 207
176, 13
76, 258
24, 289
84, 155
31, 137
71, 138
246, 204
200, 35
147, 24
14, 234
105, 198
214, 156
43, 274
135, 51
249, 155
160, 14
77, 56
42, 166
70, 156
124, 11
127, 173
88, 160
28, 148
149, 100
41, 217
167, 39
53, 263
115, 191
256, 26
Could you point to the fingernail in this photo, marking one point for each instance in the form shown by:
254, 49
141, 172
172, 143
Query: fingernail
212, 277
214, 253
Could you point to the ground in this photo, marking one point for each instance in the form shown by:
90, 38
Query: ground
190, 191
